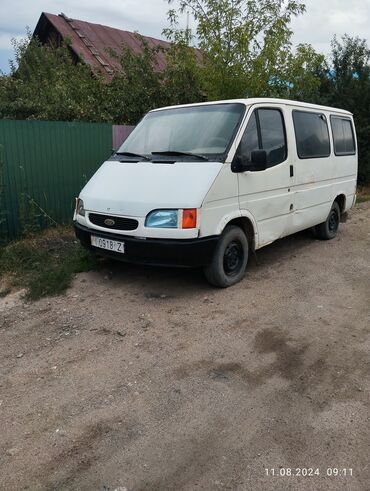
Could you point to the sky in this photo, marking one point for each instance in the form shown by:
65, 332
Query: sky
322, 20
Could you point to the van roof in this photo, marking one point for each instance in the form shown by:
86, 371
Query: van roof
264, 100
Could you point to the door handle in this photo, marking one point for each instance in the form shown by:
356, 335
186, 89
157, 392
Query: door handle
291, 171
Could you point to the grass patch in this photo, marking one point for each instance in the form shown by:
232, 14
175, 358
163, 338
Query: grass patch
363, 194
45, 263
4, 292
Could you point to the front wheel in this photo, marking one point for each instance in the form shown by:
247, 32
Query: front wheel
328, 229
230, 258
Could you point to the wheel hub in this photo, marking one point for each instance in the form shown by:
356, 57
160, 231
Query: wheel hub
233, 258
333, 221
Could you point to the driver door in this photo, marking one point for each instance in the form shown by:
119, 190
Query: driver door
267, 194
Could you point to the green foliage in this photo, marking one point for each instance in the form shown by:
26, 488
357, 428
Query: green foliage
44, 264
346, 84
304, 68
246, 48
4, 292
137, 86
182, 76
140, 85
363, 194
45, 84
351, 90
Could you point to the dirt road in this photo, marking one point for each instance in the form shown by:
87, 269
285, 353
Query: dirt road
148, 379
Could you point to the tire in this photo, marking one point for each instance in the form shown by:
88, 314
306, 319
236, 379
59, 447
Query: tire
230, 258
328, 229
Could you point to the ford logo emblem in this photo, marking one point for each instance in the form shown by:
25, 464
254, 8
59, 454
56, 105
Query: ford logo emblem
109, 222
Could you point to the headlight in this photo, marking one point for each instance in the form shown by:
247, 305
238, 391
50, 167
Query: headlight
162, 219
80, 210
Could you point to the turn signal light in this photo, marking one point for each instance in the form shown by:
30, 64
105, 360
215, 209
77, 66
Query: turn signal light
189, 218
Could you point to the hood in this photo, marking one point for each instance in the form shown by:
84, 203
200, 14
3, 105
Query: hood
136, 188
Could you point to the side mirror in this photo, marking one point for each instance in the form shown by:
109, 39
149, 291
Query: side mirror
259, 160
257, 163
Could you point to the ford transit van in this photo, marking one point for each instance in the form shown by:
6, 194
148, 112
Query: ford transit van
206, 184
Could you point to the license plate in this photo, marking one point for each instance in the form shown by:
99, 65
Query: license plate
108, 244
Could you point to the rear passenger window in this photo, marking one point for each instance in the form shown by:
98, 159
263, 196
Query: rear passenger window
312, 135
343, 136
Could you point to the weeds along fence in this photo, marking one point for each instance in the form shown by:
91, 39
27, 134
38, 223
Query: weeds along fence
43, 166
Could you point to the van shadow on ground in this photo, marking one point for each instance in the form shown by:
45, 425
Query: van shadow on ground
182, 280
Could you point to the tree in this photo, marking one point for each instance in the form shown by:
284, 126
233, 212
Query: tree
246, 46
347, 85
182, 75
45, 84
303, 70
137, 86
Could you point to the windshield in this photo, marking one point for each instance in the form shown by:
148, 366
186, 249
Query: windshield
205, 130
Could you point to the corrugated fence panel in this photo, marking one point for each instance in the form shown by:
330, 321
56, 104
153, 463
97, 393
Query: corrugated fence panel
43, 166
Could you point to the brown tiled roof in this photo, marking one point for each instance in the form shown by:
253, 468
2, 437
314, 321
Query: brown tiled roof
90, 42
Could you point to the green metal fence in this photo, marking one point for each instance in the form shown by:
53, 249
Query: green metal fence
43, 166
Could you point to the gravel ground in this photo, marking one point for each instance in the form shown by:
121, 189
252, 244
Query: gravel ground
149, 379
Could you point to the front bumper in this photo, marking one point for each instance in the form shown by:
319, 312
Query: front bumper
158, 252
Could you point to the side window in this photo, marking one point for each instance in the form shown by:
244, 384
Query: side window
312, 135
249, 141
343, 136
265, 131
273, 135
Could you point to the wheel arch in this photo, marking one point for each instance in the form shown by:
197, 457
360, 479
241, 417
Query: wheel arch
341, 200
249, 228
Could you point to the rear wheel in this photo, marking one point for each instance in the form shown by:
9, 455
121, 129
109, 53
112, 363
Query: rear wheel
328, 229
230, 258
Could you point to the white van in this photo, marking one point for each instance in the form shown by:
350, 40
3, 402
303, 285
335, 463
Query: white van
206, 184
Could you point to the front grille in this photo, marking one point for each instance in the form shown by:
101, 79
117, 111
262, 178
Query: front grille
120, 223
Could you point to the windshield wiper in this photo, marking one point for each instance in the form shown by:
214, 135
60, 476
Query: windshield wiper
175, 152
130, 154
